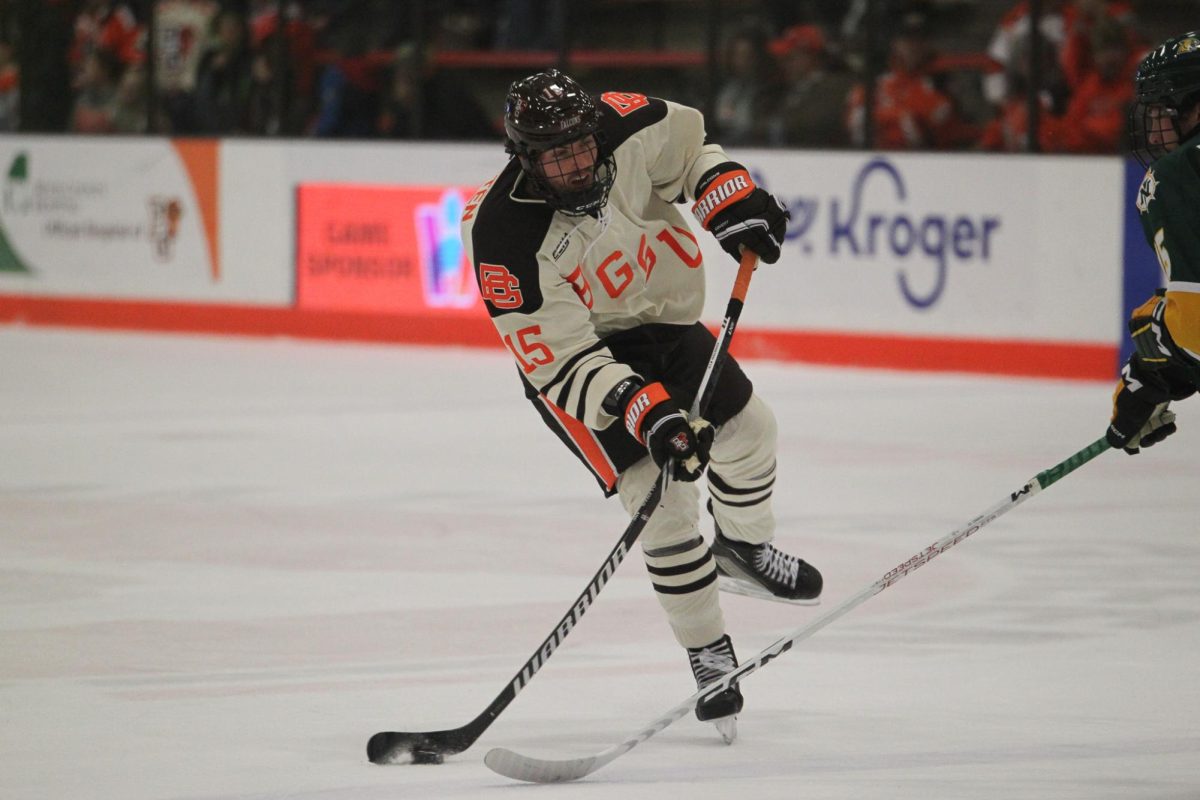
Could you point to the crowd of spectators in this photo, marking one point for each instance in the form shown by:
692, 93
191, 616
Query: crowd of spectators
794, 79
331, 69
810, 95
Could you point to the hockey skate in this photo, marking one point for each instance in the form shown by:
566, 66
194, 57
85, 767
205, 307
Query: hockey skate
709, 663
762, 571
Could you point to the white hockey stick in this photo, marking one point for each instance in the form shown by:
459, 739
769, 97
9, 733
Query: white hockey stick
541, 770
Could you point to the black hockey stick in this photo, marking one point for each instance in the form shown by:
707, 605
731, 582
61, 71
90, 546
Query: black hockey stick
430, 747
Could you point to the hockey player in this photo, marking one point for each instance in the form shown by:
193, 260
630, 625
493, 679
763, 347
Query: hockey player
1165, 130
595, 283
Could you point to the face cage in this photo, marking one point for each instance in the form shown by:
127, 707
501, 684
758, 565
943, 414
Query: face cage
1142, 121
572, 203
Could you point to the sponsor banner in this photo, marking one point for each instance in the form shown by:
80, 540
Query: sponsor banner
382, 249
109, 218
994, 247
925, 261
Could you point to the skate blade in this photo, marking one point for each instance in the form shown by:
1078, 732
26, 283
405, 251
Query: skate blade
727, 727
734, 586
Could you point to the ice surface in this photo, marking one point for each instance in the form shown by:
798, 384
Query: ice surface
224, 563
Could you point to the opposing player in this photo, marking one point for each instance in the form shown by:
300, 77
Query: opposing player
1165, 130
595, 284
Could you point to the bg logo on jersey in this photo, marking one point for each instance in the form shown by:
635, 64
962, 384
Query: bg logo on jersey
873, 220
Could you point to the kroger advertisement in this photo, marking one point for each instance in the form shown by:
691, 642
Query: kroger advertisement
948, 245
109, 218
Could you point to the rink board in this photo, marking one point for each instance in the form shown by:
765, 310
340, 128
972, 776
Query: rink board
979, 263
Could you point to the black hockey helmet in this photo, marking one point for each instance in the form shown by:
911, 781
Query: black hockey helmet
1167, 85
549, 110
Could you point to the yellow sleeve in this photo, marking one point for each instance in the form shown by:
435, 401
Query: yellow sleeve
1182, 316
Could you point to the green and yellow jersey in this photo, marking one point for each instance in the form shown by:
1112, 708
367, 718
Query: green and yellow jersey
1169, 206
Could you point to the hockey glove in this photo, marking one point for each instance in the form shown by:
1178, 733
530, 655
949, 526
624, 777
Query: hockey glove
1157, 373
655, 421
1140, 416
731, 207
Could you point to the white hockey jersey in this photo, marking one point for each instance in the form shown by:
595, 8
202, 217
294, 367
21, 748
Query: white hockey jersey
555, 285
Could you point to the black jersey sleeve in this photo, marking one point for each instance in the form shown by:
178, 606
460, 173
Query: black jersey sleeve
623, 114
505, 240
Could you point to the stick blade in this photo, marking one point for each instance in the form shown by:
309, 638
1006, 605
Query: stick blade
395, 747
513, 765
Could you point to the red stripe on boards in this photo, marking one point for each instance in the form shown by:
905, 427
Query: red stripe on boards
1015, 357
249, 320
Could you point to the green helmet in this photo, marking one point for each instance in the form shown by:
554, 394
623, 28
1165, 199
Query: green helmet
1167, 85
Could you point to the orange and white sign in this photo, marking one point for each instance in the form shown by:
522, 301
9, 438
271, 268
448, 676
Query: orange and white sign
383, 249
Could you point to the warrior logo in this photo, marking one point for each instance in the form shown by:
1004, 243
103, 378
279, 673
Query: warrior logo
732, 188
573, 616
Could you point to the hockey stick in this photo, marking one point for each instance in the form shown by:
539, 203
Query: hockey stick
538, 770
430, 747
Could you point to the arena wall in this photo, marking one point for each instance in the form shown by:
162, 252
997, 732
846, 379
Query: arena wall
1017, 265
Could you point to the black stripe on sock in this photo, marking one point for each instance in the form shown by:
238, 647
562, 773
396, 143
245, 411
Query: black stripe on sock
742, 505
687, 588
682, 568
674, 549
718, 483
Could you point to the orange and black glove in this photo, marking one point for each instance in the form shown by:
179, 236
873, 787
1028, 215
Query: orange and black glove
656, 422
733, 208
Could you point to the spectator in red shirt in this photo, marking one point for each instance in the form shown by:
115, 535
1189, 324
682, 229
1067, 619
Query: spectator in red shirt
1095, 120
1057, 17
1078, 59
910, 112
1009, 130
104, 25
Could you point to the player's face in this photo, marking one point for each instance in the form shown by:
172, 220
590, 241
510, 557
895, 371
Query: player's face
570, 167
1160, 129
